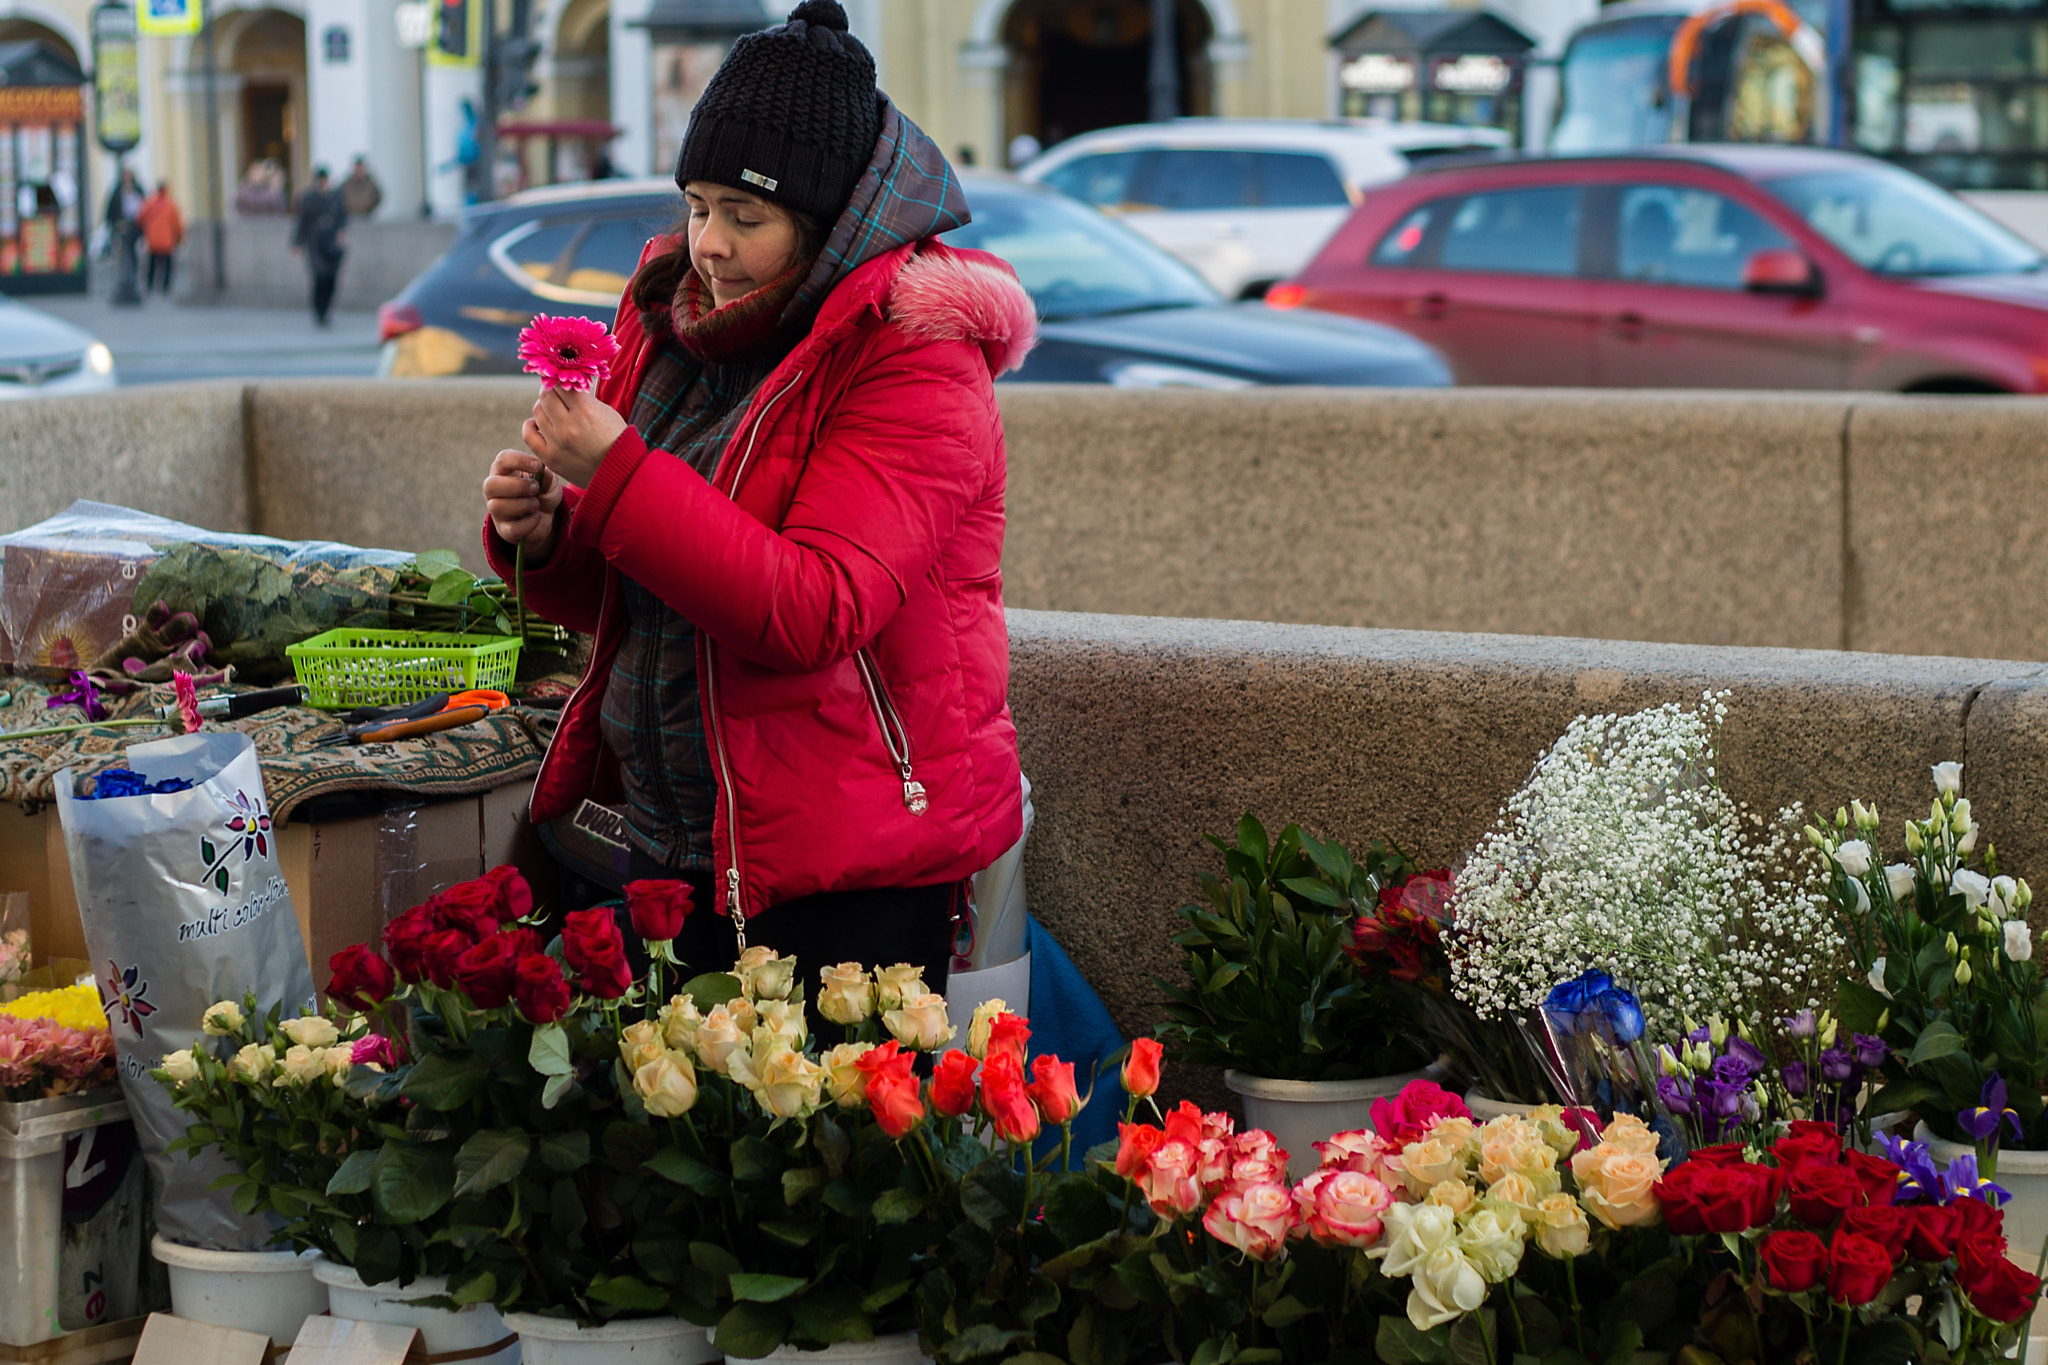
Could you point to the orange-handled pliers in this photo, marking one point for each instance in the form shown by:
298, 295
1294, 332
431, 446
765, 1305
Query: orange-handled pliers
410, 722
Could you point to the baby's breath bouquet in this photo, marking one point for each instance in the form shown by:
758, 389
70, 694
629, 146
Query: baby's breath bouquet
1622, 852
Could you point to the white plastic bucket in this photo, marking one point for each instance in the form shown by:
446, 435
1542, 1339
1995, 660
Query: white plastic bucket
1302, 1113
1485, 1107
441, 1330
271, 1292
643, 1341
898, 1348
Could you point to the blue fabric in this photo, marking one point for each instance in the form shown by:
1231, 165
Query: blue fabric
1068, 1020
127, 782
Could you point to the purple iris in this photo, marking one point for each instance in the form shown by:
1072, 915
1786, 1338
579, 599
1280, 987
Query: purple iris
1962, 1182
1983, 1122
1871, 1051
1795, 1079
1920, 1180
1837, 1065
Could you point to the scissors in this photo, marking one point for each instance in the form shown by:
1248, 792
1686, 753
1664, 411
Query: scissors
443, 711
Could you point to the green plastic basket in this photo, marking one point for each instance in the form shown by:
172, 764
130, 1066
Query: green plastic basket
349, 668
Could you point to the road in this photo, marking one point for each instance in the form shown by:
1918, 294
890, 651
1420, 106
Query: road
167, 342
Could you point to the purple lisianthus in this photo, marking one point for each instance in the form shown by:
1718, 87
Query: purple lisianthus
1749, 1054
1733, 1071
1675, 1094
1837, 1065
1870, 1050
1795, 1079
1801, 1025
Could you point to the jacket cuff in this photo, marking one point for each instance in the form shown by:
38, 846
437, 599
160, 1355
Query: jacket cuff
614, 472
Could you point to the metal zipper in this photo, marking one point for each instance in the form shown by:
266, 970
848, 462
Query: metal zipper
733, 909
895, 735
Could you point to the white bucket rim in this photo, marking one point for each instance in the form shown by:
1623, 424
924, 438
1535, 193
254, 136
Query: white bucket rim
888, 1344
182, 1257
2010, 1162
338, 1276
544, 1328
1320, 1092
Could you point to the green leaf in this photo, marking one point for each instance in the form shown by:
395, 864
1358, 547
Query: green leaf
411, 1183
712, 988
717, 1262
556, 1087
1076, 1212
749, 1331
353, 1175
491, 1157
549, 1055
450, 588
886, 1295
1938, 1039
627, 1291
441, 1081
756, 1288
1399, 1343
566, 1214
832, 1316
564, 1152
431, 564
991, 1196
982, 1339
690, 1173
481, 1287
897, 1205
800, 1184
753, 1159
1286, 1312
1310, 889
795, 1234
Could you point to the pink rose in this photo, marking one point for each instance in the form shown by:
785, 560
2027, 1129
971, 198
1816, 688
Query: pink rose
1212, 1163
1168, 1181
1407, 1116
1360, 1150
1254, 1221
1346, 1208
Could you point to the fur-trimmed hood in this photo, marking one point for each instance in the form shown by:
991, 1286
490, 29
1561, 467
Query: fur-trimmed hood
965, 296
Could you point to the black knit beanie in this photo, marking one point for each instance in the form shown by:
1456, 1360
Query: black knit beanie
791, 115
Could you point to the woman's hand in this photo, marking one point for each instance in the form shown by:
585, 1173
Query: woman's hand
570, 431
521, 496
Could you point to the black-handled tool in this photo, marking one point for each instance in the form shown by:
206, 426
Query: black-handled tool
241, 704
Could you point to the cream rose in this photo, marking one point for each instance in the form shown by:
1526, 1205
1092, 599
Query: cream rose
221, 1018
301, 1065
1445, 1286
311, 1031
1413, 1233
846, 993
1518, 1192
784, 1019
767, 977
1454, 1195
666, 1084
718, 1039
920, 1022
1430, 1162
1559, 1136
640, 1042
845, 1082
978, 1028
340, 1061
1492, 1241
679, 1020
1561, 1227
894, 985
253, 1063
1618, 1187
181, 1066
788, 1084
1630, 1134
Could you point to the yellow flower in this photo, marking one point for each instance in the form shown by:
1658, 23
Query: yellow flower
73, 1006
718, 1038
640, 1043
1516, 1191
1630, 1134
311, 1031
1454, 1195
894, 985
784, 1018
788, 1084
765, 976
1561, 1228
1429, 1163
846, 994
679, 1019
921, 1022
979, 1027
666, 1084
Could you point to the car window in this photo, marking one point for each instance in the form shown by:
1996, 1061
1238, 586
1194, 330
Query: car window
1403, 245
1515, 232
539, 254
1673, 234
1192, 178
608, 255
1290, 180
1895, 223
1103, 180
1074, 262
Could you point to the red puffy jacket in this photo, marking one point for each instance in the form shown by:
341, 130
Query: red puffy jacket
843, 567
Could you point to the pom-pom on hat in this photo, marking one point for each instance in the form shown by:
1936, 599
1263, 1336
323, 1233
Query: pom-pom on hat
791, 115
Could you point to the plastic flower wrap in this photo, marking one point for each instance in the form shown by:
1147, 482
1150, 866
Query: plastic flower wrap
567, 352
14, 956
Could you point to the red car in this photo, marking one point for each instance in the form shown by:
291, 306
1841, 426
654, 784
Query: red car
1740, 267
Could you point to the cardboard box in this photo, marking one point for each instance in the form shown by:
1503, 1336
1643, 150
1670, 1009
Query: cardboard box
349, 876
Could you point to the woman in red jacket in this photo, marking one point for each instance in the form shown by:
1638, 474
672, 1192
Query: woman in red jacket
782, 519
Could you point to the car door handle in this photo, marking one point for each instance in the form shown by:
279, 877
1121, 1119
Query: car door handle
1629, 326
1431, 305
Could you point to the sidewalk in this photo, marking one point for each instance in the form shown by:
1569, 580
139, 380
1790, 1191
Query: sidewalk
167, 341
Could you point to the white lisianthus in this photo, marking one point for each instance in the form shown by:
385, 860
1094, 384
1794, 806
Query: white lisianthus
2004, 893
1974, 886
978, 1027
1854, 857
894, 985
311, 1031
1968, 843
1948, 778
181, 1066
2019, 940
1876, 977
301, 1065
221, 1018
846, 993
921, 1022
1898, 878
666, 1084
253, 1063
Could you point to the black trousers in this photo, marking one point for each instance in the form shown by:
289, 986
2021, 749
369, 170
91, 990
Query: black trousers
323, 291
159, 264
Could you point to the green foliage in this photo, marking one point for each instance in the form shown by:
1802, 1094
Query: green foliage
1273, 990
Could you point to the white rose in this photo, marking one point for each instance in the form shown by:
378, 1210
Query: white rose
1491, 1240
1948, 778
788, 1084
921, 1023
679, 1020
2019, 940
1413, 1233
1445, 1286
784, 1019
340, 1061
718, 1038
844, 1080
1877, 978
666, 1084
302, 1065
253, 1063
1975, 886
894, 985
182, 1066
846, 993
311, 1031
1854, 857
640, 1042
221, 1018
978, 1027
1899, 878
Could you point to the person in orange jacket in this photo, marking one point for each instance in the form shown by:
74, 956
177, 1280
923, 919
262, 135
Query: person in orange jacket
163, 227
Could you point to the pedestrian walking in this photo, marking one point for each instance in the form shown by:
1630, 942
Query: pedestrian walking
781, 515
124, 207
360, 193
321, 235
163, 228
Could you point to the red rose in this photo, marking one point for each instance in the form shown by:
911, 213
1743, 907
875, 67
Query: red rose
597, 952
1052, 1089
953, 1084
894, 1102
1136, 1142
1814, 1128
362, 980
1723, 1154
486, 971
658, 909
1888, 1227
405, 940
1932, 1231
471, 907
1858, 1269
538, 986
1809, 1148
1699, 1199
1141, 1068
1880, 1179
889, 1062
1009, 1033
1792, 1261
1820, 1194
1979, 1219
515, 897
442, 953
1996, 1287
1006, 1100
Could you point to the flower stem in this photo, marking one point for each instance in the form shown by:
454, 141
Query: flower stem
1842, 1355
519, 584
1571, 1281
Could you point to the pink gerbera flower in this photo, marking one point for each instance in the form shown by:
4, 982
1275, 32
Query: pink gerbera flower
188, 701
567, 353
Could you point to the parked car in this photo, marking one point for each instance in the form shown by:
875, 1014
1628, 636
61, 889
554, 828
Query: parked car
44, 355
1113, 308
1699, 266
1244, 201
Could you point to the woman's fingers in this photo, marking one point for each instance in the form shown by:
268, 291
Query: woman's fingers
536, 440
